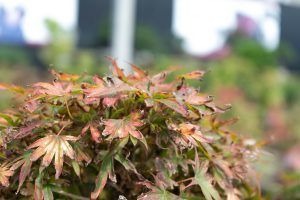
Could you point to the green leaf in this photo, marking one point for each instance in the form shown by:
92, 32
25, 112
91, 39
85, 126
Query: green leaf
76, 167
133, 140
203, 181
47, 192
106, 168
38, 187
7, 118
159, 195
127, 164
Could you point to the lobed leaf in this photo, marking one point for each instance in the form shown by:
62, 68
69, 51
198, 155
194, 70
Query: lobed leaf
106, 168
50, 146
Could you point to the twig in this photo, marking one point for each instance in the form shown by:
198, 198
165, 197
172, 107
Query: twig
73, 196
185, 180
68, 110
62, 129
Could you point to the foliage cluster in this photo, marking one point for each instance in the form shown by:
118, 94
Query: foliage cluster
133, 135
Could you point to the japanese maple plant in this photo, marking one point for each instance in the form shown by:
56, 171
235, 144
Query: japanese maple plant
122, 136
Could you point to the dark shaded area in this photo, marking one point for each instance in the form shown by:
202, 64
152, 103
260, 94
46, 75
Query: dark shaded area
290, 34
153, 24
92, 17
156, 14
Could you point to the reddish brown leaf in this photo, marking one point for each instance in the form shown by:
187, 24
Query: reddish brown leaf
96, 136
55, 89
174, 105
113, 88
27, 130
121, 128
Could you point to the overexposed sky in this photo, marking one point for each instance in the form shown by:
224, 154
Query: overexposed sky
201, 23
36, 11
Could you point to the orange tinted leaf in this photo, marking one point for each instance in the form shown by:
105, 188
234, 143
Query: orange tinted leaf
193, 75
13, 88
138, 72
116, 69
190, 133
64, 76
3, 86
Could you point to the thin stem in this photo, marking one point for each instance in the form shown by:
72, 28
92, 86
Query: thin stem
72, 196
185, 180
62, 129
69, 113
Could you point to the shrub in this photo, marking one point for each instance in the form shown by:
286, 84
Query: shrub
133, 135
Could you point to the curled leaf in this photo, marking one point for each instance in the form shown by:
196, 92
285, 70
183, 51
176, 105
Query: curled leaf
174, 105
190, 133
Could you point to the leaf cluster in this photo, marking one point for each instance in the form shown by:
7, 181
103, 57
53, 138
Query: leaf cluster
133, 135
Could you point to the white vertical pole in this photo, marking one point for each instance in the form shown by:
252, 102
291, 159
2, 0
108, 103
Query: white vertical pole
123, 31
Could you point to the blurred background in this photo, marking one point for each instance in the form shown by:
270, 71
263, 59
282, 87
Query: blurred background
250, 47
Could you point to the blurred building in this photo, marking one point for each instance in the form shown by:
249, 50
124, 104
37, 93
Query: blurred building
153, 18
290, 34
